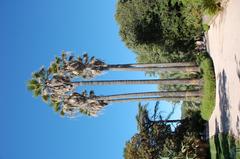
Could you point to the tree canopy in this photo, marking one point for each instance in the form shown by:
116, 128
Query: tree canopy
148, 143
159, 28
155, 139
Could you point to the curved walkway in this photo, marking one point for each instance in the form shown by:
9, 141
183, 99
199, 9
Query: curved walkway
224, 46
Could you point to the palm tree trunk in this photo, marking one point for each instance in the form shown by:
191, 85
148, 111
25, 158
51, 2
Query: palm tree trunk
130, 82
153, 99
187, 67
159, 69
153, 65
196, 93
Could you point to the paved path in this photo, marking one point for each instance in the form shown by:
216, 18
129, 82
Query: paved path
224, 46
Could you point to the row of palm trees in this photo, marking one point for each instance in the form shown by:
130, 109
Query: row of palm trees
57, 84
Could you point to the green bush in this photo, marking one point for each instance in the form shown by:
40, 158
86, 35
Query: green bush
209, 86
211, 7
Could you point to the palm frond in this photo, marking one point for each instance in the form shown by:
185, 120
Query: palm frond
56, 106
31, 87
37, 92
53, 68
33, 82
84, 112
64, 55
62, 113
36, 75
45, 98
57, 60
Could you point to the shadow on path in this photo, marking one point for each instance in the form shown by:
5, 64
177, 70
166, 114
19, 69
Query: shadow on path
223, 102
238, 67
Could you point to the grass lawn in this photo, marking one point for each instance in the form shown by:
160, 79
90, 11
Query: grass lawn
224, 146
209, 87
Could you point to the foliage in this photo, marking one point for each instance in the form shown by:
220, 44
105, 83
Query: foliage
211, 7
188, 108
57, 87
224, 146
155, 139
209, 86
165, 28
177, 75
148, 142
206, 27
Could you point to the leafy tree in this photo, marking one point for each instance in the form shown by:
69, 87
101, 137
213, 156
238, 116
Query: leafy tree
149, 141
163, 29
156, 140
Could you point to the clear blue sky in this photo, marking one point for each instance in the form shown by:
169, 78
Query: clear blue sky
31, 34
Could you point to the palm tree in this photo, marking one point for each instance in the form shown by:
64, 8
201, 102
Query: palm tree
168, 98
129, 82
57, 86
75, 103
195, 93
89, 68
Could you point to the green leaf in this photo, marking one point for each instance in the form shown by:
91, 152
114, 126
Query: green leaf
31, 87
54, 68
62, 113
37, 92
33, 82
57, 60
45, 98
64, 55
84, 112
36, 75
56, 106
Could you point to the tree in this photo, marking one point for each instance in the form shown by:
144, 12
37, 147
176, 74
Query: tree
59, 91
196, 93
127, 82
151, 137
57, 85
156, 140
88, 68
159, 28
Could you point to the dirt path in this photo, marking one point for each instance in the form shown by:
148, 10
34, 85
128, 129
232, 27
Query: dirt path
224, 46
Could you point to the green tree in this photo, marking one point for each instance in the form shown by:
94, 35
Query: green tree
86, 67
156, 140
149, 141
162, 29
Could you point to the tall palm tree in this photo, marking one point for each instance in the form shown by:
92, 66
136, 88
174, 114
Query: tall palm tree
195, 93
90, 67
129, 82
170, 98
56, 84
72, 105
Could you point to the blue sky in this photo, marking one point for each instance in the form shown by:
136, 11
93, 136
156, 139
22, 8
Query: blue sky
32, 33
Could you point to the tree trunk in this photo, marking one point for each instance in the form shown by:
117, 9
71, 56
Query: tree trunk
153, 99
157, 93
185, 67
153, 65
156, 69
130, 82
